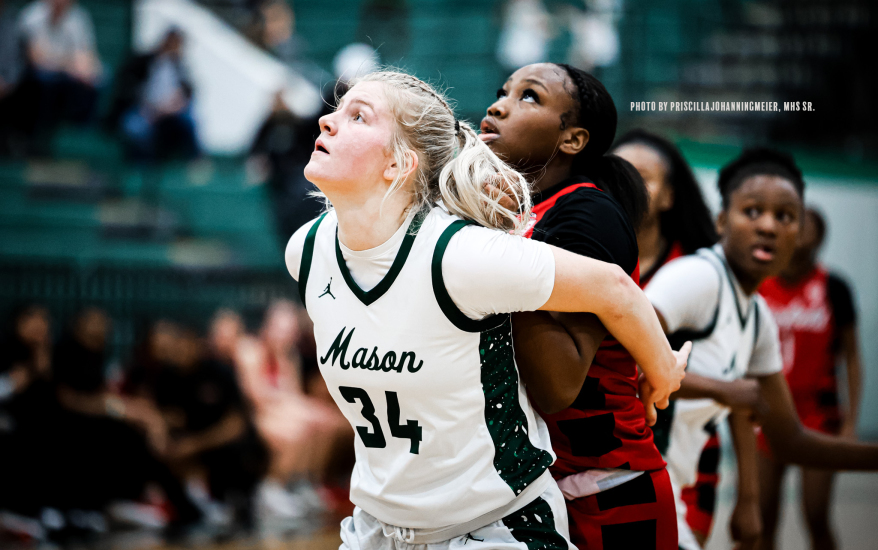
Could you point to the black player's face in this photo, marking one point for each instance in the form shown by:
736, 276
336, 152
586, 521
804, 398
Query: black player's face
524, 126
760, 227
654, 171
807, 245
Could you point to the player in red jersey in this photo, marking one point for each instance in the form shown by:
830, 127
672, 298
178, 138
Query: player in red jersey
677, 223
555, 123
817, 323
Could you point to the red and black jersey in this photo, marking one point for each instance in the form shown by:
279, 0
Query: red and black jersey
810, 314
606, 426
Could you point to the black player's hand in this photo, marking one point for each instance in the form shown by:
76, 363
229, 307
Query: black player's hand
746, 524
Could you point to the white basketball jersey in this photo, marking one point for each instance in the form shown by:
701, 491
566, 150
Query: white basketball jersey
722, 351
445, 432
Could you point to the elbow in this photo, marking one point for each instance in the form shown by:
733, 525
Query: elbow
556, 400
625, 288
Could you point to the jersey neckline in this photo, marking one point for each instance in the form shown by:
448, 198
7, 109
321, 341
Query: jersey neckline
743, 317
370, 296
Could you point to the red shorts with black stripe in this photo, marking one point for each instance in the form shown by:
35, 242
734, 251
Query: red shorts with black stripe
639, 514
700, 499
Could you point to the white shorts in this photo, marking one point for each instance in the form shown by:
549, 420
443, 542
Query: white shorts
543, 523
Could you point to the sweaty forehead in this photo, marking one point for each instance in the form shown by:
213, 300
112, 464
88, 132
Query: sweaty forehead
553, 77
372, 94
769, 187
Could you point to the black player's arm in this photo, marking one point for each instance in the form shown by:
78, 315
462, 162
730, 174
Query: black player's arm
793, 443
850, 351
844, 311
554, 353
746, 521
740, 394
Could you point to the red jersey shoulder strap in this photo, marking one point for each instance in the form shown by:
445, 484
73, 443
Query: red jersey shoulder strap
540, 209
550, 202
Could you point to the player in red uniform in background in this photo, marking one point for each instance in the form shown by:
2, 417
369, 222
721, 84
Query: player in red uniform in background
555, 123
817, 323
677, 223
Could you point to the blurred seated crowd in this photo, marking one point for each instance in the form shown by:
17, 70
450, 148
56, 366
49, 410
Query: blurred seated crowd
51, 74
223, 431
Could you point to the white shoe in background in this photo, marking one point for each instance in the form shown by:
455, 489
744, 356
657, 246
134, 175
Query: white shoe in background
273, 501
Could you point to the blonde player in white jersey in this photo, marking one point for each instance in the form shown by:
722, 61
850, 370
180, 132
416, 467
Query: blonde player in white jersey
410, 301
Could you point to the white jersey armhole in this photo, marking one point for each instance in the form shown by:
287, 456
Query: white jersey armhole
766, 357
293, 252
488, 272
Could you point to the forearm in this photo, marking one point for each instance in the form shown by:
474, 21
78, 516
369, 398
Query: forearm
586, 285
744, 440
793, 443
696, 386
851, 351
554, 359
812, 449
230, 428
854, 395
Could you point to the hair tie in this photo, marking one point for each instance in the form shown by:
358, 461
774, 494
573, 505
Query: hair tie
456, 126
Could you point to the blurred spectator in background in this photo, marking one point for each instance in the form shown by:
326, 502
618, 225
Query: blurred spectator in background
273, 28
101, 431
285, 141
27, 411
153, 353
300, 431
10, 52
276, 30
152, 103
10, 72
210, 437
60, 83
524, 38
279, 154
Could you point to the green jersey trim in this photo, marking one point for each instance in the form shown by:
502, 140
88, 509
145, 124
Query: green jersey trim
534, 525
742, 316
384, 285
518, 462
307, 256
451, 311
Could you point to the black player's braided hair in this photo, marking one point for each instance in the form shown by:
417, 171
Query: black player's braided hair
689, 221
596, 112
759, 161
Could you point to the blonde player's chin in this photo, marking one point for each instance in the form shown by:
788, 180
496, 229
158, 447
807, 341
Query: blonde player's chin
313, 172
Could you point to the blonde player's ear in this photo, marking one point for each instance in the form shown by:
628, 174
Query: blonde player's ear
410, 164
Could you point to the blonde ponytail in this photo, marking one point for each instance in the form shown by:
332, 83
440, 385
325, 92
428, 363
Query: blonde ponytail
454, 165
462, 185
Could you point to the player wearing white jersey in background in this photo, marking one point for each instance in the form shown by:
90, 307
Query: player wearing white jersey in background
413, 336
710, 297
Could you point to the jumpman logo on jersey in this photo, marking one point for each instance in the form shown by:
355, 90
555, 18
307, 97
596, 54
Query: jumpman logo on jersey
327, 290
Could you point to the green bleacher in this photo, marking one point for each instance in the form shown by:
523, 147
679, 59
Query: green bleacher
215, 211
